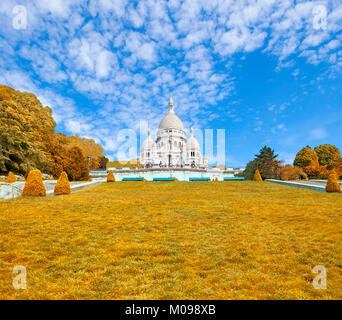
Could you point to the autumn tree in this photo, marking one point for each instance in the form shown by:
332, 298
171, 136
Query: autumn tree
317, 172
338, 168
89, 148
28, 139
103, 162
76, 165
124, 164
25, 128
328, 155
306, 157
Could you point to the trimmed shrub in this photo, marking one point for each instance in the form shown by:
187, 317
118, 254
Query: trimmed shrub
63, 185
110, 177
257, 176
11, 178
34, 185
332, 184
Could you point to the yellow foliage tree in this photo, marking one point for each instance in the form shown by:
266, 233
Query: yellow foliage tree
332, 184
11, 178
257, 176
306, 157
28, 139
63, 185
88, 148
338, 168
110, 177
34, 185
328, 155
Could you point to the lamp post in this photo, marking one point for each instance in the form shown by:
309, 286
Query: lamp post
89, 158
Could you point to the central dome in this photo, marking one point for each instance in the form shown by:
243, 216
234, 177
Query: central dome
171, 121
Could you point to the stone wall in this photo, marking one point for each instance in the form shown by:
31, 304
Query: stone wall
9, 191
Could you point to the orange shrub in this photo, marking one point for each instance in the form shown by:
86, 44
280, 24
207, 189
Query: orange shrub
257, 176
110, 177
34, 185
320, 172
332, 184
288, 173
63, 185
11, 178
292, 173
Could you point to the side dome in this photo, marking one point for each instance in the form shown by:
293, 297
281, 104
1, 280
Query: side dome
192, 143
148, 142
171, 121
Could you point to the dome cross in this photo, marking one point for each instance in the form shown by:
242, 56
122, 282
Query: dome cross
171, 105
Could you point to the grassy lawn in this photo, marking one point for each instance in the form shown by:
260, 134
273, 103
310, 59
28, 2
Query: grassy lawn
173, 240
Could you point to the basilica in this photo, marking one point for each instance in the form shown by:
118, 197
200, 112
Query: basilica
172, 148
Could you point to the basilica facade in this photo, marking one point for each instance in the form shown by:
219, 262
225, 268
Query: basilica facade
172, 148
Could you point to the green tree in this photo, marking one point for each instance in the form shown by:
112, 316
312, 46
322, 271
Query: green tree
267, 164
306, 157
328, 155
248, 173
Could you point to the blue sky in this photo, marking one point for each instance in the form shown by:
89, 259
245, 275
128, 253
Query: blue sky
268, 72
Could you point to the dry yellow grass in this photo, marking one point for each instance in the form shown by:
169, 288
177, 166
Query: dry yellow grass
228, 240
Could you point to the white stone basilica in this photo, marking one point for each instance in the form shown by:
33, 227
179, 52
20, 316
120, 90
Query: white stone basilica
172, 149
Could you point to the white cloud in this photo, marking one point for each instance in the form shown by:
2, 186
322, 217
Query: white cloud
136, 55
318, 134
